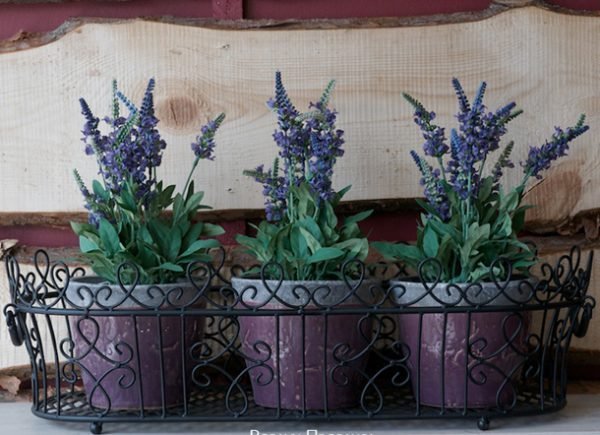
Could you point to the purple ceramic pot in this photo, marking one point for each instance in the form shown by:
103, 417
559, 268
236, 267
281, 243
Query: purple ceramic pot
318, 362
461, 363
133, 362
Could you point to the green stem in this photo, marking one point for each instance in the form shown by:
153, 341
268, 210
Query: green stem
189, 178
441, 163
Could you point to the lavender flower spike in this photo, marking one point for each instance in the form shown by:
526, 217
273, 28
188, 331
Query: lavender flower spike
503, 162
435, 138
540, 158
91, 134
463, 101
275, 190
434, 190
204, 145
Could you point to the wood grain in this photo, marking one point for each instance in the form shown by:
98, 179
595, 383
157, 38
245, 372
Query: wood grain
548, 62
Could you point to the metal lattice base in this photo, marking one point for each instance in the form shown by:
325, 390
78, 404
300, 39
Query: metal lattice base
399, 404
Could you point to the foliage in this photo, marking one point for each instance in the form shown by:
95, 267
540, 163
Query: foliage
301, 233
127, 219
470, 220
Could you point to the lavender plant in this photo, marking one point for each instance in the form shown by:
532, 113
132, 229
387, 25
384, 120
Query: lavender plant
301, 232
127, 223
469, 219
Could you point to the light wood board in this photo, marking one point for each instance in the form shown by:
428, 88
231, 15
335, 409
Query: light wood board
546, 61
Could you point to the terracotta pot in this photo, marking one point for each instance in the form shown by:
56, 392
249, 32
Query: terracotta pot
120, 356
319, 363
476, 363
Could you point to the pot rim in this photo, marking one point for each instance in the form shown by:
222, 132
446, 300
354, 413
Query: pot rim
97, 281
430, 284
306, 282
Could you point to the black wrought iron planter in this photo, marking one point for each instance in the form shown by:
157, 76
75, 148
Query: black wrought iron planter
66, 332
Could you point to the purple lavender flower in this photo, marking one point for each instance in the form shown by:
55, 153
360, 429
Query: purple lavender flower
292, 138
325, 147
461, 166
435, 137
463, 101
479, 134
91, 135
309, 145
92, 202
275, 190
133, 146
434, 190
503, 162
540, 158
204, 146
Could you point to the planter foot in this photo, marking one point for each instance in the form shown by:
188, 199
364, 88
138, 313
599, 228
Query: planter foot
483, 423
96, 427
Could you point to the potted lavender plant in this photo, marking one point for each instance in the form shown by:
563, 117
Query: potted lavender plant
141, 257
468, 254
309, 262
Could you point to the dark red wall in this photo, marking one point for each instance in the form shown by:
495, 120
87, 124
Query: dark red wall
41, 17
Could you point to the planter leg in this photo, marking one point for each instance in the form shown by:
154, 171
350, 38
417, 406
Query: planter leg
96, 427
483, 423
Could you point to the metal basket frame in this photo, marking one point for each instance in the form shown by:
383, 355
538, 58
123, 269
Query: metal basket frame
220, 369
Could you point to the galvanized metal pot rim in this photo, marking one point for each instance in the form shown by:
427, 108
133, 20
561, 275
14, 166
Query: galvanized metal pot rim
414, 292
274, 292
87, 292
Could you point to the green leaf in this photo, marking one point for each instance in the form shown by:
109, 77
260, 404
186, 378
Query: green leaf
298, 243
192, 234
126, 199
178, 208
309, 224
519, 218
357, 217
445, 228
431, 243
160, 236
174, 244
170, 266
79, 228
324, 254
354, 248
340, 194
200, 245
511, 201
86, 245
485, 189
503, 226
212, 230
399, 251
109, 237
100, 191
193, 202
254, 246
313, 244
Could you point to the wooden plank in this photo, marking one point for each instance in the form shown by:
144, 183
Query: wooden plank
548, 62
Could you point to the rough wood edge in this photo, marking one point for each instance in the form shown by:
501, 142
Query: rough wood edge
24, 40
586, 223
549, 245
62, 219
